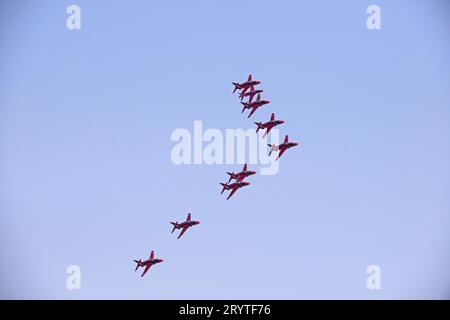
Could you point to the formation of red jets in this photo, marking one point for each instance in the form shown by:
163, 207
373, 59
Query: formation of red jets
247, 89
239, 183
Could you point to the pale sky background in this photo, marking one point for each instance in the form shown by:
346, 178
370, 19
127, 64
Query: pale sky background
86, 176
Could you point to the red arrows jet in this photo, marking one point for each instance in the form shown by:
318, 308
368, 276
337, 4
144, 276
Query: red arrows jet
233, 187
282, 147
239, 176
184, 225
254, 105
147, 263
268, 125
250, 94
249, 84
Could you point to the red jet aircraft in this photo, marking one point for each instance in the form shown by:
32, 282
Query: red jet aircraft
254, 105
233, 187
147, 263
184, 225
282, 147
250, 94
268, 125
239, 176
249, 84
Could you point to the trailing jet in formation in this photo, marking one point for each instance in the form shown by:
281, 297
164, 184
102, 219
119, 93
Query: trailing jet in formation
239, 176
147, 263
282, 147
249, 84
254, 105
250, 94
268, 125
233, 187
184, 225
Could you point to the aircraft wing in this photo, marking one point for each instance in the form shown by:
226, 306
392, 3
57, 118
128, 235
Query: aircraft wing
281, 152
231, 193
268, 130
252, 112
182, 232
146, 269
152, 254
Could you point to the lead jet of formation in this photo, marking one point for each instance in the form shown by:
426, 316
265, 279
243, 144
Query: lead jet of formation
251, 94
239, 176
184, 225
268, 125
147, 263
282, 147
233, 187
249, 84
254, 105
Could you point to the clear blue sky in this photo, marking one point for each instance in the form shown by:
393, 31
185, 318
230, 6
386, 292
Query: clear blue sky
86, 176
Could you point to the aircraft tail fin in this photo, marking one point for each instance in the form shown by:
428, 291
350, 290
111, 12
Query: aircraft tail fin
175, 225
271, 149
245, 106
236, 86
138, 264
224, 187
259, 126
